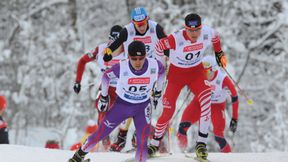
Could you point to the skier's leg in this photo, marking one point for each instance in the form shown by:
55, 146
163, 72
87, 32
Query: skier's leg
218, 121
169, 103
190, 116
122, 135
112, 94
202, 90
112, 119
101, 115
142, 121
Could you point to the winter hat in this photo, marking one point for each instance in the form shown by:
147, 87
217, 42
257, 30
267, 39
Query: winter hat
3, 102
139, 14
192, 21
136, 48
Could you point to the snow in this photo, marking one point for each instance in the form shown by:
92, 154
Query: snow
14, 153
39, 50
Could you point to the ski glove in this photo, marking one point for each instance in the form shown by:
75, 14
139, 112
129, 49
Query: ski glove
156, 95
221, 59
103, 103
77, 87
233, 125
107, 54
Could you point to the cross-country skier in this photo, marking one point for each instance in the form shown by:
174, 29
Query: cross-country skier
143, 29
222, 87
186, 52
136, 78
97, 55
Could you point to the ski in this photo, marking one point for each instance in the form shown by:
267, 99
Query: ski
129, 160
196, 158
201, 160
158, 155
86, 160
129, 151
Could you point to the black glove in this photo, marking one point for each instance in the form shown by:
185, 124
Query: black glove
156, 95
77, 87
233, 125
107, 55
103, 103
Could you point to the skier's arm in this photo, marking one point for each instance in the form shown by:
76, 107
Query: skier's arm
234, 96
161, 34
161, 76
119, 41
109, 74
88, 57
220, 55
216, 42
166, 43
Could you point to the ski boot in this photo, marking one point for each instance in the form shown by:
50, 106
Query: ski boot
121, 141
152, 149
201, 152
154, 146
79, 156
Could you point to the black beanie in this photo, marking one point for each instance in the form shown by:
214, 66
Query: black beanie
192, 20
136, 48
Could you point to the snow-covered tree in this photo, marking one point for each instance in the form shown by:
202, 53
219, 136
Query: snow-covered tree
41, 42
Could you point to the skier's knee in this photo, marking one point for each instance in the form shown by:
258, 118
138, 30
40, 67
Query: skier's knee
221, 141
183, 127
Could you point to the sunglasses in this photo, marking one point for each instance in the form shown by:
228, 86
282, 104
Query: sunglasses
140, 23
193, 29
137, 58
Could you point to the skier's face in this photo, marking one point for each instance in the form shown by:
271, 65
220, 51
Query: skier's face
193, 34
137, 62
209, 74
141, 26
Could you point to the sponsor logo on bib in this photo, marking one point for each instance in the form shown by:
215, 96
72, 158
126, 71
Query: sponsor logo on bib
143, 80
194, 47
145, 40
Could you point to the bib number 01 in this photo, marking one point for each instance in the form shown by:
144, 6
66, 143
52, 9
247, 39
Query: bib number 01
190, 56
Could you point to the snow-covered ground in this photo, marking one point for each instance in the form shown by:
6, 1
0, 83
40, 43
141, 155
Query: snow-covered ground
16, 153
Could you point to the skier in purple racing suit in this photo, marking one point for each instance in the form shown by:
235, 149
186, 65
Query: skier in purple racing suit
136, 77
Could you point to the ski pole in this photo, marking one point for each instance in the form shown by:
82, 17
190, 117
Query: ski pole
233, 142
87, 86
182, 105
242, 92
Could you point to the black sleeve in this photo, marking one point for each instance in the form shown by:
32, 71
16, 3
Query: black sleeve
161, 34
122, 38
4, 136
